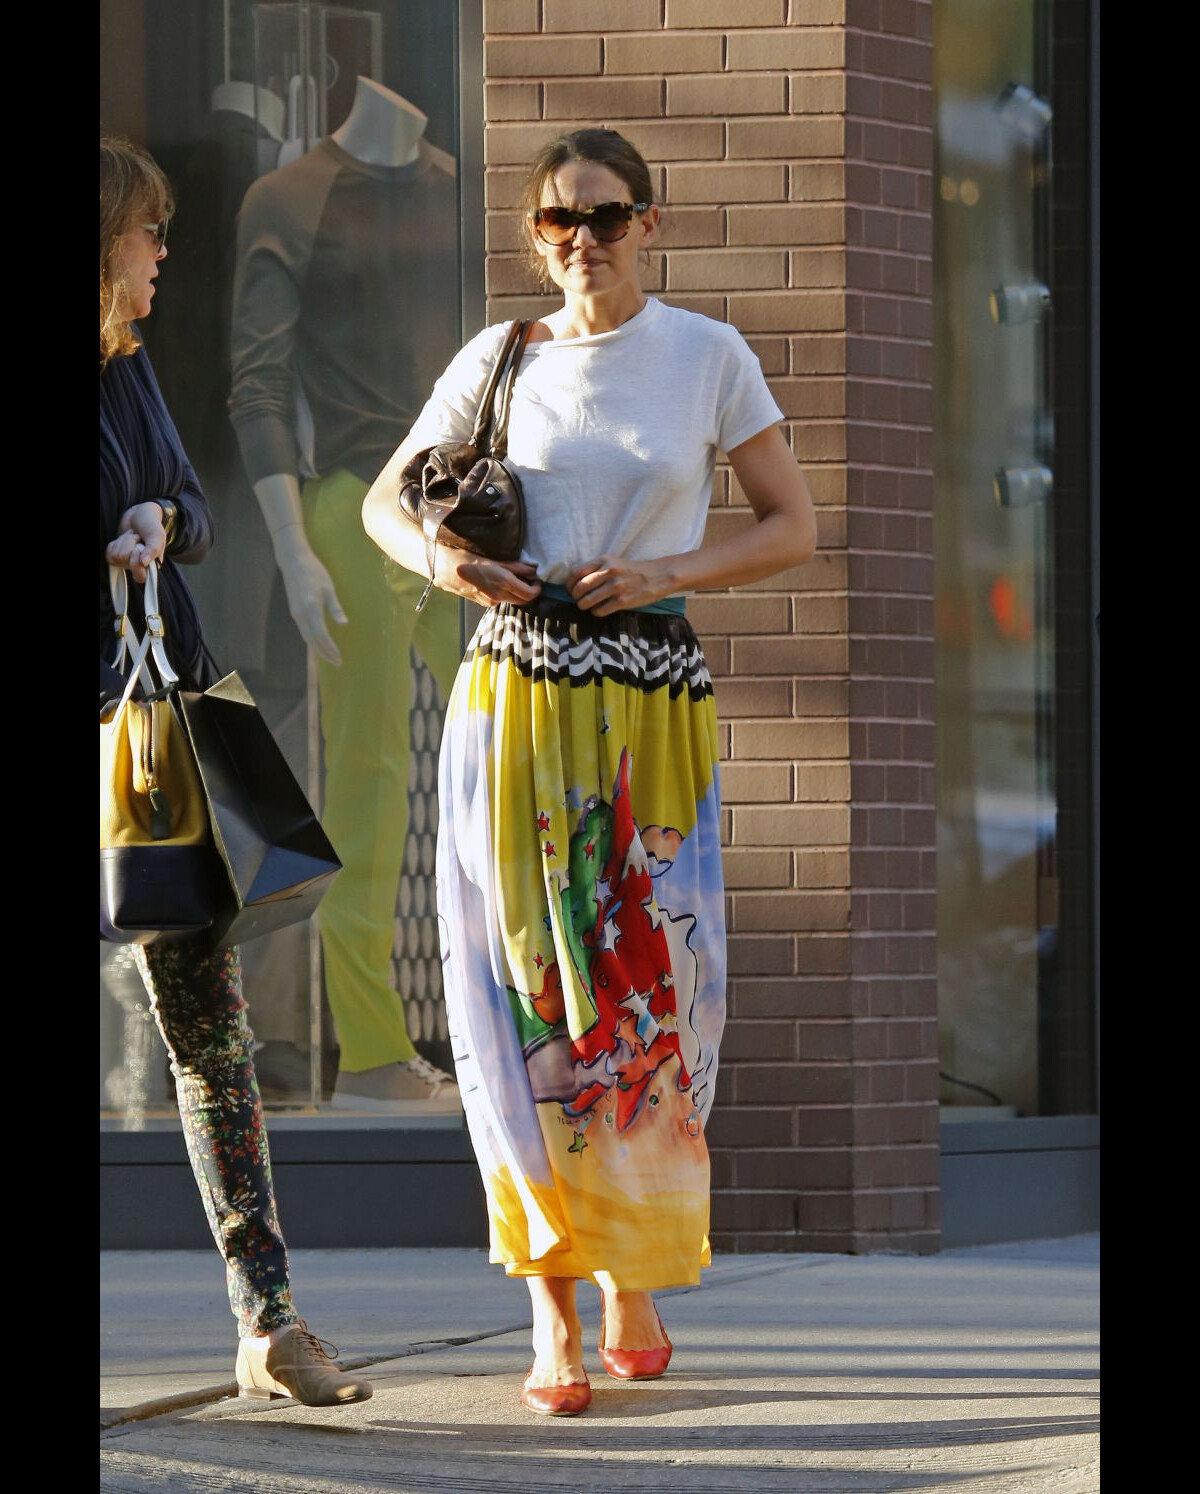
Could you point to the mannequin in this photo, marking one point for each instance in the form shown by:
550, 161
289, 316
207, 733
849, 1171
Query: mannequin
211, 173
266, 109
381, 128
346, 295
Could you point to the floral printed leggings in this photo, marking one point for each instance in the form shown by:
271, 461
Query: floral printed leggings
196, 998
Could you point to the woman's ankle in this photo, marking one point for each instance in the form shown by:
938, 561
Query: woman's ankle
268, 1339
555, 1314
630, 1320
560, 1334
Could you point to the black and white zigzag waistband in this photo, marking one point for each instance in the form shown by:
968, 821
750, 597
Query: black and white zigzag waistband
557, 642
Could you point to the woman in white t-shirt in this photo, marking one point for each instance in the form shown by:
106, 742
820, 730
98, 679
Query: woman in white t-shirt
579, 858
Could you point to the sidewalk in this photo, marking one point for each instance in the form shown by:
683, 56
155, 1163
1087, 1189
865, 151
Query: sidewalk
973, 1369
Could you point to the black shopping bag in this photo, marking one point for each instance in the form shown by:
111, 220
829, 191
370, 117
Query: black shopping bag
277, 857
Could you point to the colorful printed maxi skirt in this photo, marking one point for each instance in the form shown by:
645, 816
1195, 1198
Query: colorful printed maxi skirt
583, 937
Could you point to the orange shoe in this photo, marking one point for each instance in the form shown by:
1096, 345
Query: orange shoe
556, 1400
635, 1364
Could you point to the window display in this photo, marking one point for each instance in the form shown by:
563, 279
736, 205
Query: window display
1010, 540
313, 295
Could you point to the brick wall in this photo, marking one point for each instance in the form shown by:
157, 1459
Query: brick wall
791, 142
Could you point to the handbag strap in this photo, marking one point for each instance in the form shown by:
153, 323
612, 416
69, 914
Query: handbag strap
151, 747
499, 439
507, 363
139, 650
518, 336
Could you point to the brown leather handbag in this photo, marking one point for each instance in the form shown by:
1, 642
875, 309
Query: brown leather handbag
464, 488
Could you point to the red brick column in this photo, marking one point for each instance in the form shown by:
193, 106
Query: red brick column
792, 145
889, 318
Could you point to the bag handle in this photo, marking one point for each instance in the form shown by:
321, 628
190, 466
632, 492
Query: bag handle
499, 440
508, 361
139, 650
127, 637
151, 743
518, 332
127, 640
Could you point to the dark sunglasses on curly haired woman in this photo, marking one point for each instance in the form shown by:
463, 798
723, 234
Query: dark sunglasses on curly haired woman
608, 221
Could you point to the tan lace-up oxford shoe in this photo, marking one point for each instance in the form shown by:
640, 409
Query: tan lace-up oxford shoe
297, 1366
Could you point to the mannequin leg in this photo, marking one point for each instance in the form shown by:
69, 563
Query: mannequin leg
276, 968
365, 726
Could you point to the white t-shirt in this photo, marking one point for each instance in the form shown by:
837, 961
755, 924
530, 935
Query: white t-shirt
613, 436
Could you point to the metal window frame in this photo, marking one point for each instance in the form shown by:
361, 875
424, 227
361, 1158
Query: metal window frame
472, 200
1094, 489
1030, 1176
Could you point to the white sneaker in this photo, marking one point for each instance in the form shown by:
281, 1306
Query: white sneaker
414, 1087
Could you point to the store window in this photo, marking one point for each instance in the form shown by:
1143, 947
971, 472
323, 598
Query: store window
1014, 624
313, 291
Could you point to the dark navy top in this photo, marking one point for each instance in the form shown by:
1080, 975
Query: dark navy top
142, 458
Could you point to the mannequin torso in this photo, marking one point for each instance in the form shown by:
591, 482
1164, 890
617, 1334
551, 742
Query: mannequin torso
382, 134
382, 128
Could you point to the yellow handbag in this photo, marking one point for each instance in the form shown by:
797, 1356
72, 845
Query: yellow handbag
159, 874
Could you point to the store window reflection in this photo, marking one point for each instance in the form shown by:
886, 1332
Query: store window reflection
1012, 737
313, 298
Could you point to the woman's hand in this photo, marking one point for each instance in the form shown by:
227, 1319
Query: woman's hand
140, 539
485, 582
612, 584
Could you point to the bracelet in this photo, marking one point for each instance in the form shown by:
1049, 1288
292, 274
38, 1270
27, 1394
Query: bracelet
170, 518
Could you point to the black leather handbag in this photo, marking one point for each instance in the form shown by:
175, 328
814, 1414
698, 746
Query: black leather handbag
464, 488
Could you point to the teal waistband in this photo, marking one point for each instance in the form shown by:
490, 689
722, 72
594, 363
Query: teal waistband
671, 606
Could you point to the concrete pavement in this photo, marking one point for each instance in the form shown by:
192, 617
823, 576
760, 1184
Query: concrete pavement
973, 1369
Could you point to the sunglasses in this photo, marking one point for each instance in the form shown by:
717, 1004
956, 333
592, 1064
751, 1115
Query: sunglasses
608, 221
159, 230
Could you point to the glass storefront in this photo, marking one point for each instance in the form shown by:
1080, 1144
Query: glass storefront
1011, 536
321, 167
312, 292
